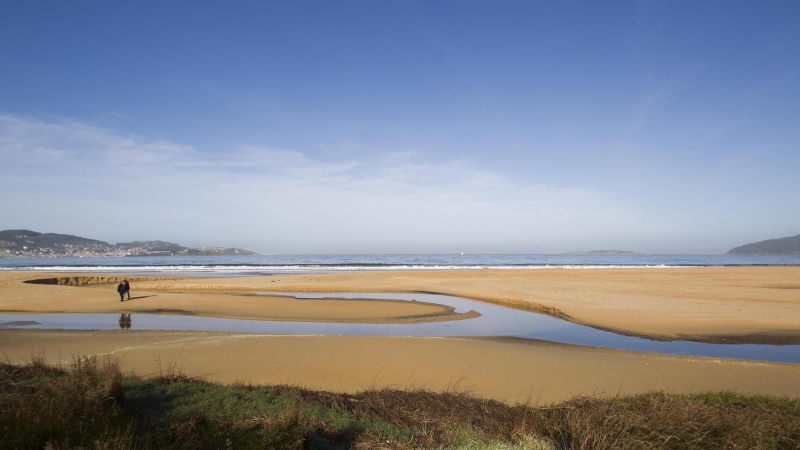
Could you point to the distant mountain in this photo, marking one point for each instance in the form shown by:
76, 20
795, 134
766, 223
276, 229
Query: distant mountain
782, 246
26, 243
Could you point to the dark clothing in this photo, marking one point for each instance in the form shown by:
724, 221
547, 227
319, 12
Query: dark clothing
127, 288
121, 291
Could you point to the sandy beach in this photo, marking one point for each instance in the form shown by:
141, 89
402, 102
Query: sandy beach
504, 369
736, 304
705, 303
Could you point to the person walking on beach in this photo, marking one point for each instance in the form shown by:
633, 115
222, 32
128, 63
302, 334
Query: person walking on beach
121, 291
127, 288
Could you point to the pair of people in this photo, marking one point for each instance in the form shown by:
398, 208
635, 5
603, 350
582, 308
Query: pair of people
125, 321
124, 288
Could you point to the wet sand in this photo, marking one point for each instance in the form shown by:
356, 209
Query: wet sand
709, 304
509, 370
19, 297
666, 303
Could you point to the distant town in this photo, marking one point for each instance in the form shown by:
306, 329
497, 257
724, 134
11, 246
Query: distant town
31, 244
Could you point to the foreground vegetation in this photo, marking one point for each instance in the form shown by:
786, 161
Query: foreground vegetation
93, 406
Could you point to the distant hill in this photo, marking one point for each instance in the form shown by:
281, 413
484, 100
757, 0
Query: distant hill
26, 243
153, 246
781, 246
21, 240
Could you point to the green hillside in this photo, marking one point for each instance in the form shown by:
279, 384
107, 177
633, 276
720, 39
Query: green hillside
782, 246
27, 243
19, 240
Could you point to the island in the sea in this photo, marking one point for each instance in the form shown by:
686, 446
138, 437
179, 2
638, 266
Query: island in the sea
781, 246
606, 252
26, 244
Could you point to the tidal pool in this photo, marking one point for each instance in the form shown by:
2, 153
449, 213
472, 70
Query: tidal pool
495, 320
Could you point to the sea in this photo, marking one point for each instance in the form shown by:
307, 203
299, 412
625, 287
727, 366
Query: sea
329, 263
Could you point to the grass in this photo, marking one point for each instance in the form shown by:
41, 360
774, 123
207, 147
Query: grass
92, 406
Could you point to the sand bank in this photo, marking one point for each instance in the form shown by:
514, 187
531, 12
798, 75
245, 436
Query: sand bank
737, 304
19, 297
745, 304
504, 369
665, 303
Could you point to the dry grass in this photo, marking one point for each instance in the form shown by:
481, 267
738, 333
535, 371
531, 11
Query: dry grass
648, 421
45, 407
660, 421
91, 406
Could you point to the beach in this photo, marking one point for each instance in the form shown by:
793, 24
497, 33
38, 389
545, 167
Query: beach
745, 303
740, 304
508, 370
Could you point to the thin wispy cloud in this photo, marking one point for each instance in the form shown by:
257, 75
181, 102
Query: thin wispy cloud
119, 187
530, 127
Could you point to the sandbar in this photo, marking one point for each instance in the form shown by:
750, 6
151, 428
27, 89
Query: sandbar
17, 296
728, 304
507, 369
707, 304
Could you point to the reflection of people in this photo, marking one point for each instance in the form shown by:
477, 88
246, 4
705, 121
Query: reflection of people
125, 321
127, 288
121, 291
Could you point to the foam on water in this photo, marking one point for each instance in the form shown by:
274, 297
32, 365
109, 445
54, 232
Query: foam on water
312, 267
280, 264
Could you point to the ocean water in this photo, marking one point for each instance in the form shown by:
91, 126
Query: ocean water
281, 264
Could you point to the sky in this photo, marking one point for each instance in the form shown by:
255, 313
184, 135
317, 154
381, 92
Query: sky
403, 126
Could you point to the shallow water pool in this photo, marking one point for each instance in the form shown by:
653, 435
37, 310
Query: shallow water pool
495, 320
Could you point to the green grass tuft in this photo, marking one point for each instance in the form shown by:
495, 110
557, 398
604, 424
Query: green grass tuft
92, 406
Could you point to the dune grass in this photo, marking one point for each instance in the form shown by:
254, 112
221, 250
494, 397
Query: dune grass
93, 406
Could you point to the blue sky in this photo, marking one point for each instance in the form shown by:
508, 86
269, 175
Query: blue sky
441, 126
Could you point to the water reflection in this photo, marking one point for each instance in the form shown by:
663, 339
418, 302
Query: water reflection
495, 320
125, 321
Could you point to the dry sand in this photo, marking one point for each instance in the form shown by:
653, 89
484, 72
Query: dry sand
744, 304
505, 369
19, 297
702, 303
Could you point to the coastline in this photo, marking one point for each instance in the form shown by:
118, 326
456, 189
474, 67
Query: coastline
507, 369
704, 304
